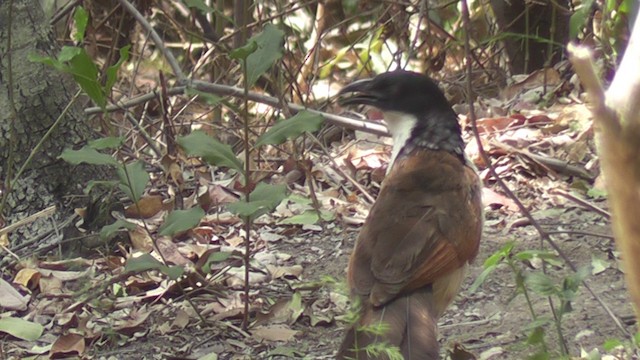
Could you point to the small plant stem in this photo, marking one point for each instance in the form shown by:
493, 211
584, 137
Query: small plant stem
557, 317
247, 189
526, 38
525, 292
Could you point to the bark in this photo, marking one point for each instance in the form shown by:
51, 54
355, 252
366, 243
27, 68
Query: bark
32, 96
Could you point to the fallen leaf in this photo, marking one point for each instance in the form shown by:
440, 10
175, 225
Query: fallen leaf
28, 278
278, 272
21, 329
147, 207
180, 321
492, 198
11, 299
67, 345
140, 239
273, 333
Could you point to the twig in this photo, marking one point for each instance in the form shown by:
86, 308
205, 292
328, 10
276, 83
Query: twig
582, 202
584, 233
339, 170
29, 219
63, 11
558, 165
171, 60
226, 90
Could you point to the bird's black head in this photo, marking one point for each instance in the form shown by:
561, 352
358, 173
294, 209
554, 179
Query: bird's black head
399, 91
415, 111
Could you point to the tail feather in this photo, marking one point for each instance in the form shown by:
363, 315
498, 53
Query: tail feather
410, 325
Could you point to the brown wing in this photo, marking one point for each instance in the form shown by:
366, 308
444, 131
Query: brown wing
425, 224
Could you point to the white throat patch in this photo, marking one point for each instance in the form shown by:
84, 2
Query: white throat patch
400, 126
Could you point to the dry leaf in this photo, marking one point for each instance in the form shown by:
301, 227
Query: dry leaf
147, 207
140, 239
28, 278
67, 345
273, 333
11, 299
278, 272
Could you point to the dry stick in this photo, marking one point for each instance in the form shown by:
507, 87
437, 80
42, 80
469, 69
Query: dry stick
339, 170
173, 63
492, 171
554, 164
582, 202
226, 90
543, 234
584, 233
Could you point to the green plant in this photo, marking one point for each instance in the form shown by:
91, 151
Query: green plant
256, 57
560, 294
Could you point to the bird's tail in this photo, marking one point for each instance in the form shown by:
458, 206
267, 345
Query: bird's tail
407, 325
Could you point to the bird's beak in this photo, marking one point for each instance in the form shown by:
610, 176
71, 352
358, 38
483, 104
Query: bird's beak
358, 92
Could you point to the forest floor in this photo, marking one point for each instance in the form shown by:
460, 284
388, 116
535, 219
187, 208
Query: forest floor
94, 309
493, 322
299, 316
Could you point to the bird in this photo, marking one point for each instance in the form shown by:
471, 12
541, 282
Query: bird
424, 229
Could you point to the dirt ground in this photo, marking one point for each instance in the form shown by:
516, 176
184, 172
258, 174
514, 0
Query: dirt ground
492, 323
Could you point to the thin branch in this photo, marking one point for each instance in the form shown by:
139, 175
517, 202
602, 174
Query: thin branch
226, 90
171, 60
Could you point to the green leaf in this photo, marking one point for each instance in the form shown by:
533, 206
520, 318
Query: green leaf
173, 272
536, 336
181, 220
306, 218
68, 52
112, 71
22, 329
597, 193
578, 19
111, 142
87, 155
243, 52
481, 278
269, 50
541, 284
144, 262
81, 18
133, 179
200, 5
108, 230
210, 99
264, 198
214, 257
611, 344
85, 72
46, 60
547, 256
211, 150
497, 256
304, 121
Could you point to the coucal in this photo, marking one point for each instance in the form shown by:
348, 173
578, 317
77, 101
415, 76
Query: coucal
425, 226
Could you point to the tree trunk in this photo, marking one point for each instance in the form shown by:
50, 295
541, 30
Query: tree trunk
32, 97
528, 21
